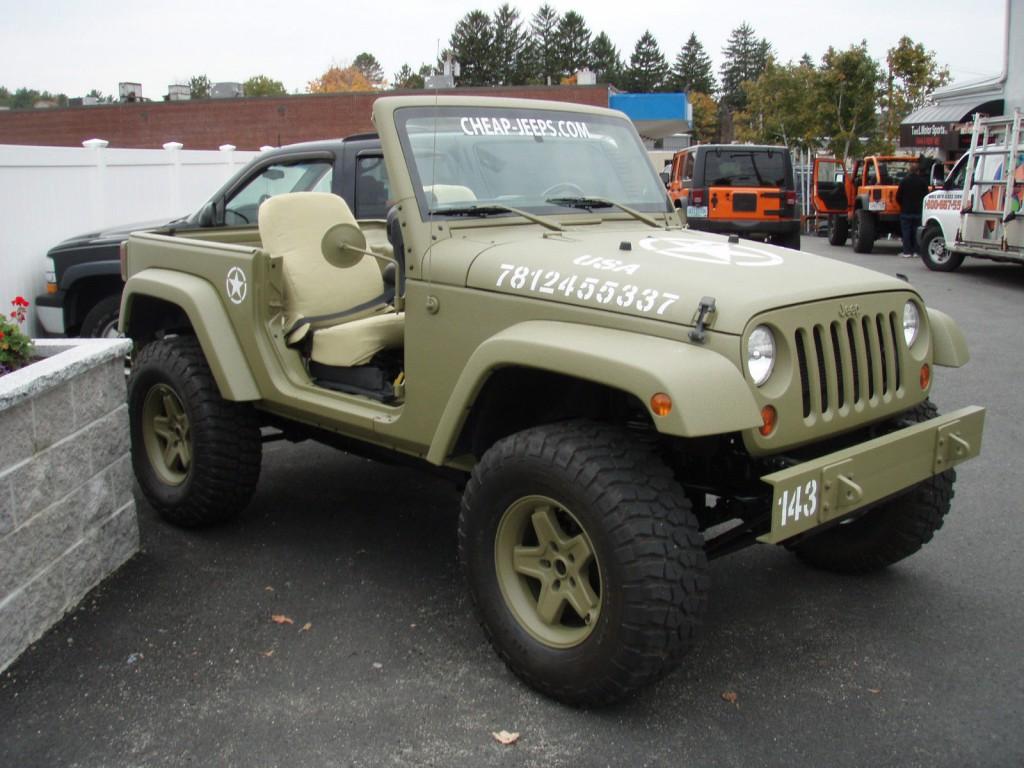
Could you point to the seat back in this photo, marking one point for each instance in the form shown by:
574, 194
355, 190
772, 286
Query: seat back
292, 226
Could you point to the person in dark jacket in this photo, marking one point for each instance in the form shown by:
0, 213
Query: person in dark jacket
910, 195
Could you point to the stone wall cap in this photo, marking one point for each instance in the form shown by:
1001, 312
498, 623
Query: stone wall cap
63, 359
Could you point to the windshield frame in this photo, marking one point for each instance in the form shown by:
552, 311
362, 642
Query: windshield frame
430, 210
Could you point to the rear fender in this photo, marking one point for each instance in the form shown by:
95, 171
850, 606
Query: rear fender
208, 318
709, 394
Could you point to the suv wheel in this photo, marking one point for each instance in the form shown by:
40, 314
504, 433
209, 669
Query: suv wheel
583, 560
862, 235
838, 230
196, 456
889, 532
934, 253
101, 321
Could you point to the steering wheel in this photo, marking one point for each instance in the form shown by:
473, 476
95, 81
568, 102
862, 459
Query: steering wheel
567, 187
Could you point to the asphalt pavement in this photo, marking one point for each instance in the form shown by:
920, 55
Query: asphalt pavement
374, 658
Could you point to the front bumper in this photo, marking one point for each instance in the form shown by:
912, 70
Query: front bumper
50, 311
825, 489
745, 227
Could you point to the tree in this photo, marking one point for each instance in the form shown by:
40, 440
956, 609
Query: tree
573, 43
783, 107
647, 66
693, 70
912, 74
705, 117
544, 45
406, 78
510, 51
261, 85
339, 80
199, 87
97, 94
471, 45
745, 59
605, 60
848, 89
25, 98
372, 70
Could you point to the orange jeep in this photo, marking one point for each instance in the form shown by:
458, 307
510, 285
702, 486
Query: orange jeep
862, 203
737, 189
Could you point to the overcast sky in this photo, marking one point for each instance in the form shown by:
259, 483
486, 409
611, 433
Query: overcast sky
69, 46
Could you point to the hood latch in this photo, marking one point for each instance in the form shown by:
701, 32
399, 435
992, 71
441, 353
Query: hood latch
705, 309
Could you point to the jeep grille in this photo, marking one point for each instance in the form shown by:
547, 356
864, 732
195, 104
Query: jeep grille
853, 363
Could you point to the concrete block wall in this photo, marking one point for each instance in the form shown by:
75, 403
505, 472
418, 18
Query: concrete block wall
67, 513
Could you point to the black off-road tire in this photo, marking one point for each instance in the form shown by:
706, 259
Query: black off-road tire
101, 321
645, 548
891, 531
838, 230
171, 390
933, 251
788, 240
862, 235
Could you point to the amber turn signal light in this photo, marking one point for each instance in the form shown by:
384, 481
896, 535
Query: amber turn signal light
661, 404
769, 418
926, 376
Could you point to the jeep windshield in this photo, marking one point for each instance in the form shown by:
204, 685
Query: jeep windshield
488, 160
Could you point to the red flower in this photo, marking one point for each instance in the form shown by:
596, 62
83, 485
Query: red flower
19, 301
1, 334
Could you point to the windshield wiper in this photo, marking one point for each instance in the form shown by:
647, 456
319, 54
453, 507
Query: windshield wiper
589, 203
490, 209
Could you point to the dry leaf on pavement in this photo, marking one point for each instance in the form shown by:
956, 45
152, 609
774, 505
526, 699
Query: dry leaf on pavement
307, 626
731, 697
505, 737
280, 618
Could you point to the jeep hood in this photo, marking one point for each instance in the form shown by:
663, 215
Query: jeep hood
662, 275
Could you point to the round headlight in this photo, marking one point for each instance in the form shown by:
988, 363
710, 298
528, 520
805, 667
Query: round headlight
760, 354
911, 322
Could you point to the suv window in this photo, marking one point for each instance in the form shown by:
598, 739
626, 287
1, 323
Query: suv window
745, 168
372, 188
273, 180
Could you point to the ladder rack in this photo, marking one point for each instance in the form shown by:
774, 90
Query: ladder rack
993, 136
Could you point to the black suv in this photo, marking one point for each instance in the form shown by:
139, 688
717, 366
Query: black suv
83, 278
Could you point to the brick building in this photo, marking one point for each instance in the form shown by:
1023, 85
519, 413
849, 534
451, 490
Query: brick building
246, 123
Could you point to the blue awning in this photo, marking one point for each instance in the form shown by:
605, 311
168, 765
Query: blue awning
656, 115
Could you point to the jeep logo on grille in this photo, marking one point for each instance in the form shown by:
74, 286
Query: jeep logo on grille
849, 310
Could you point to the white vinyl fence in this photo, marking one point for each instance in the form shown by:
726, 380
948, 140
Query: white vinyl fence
48, 194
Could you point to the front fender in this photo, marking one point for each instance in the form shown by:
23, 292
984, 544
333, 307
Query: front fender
709, 394
949, 347
201, 303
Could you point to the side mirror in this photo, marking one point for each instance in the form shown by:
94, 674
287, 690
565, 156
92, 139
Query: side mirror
664, 177
208, 215
840, 177
937, 178
344, 245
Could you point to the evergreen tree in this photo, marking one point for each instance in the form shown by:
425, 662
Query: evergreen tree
605, 60
472, 45
573, 44
745, 59
544, 45
405, 78
199, 87
693, 69
647, 67
371, 68
510, 49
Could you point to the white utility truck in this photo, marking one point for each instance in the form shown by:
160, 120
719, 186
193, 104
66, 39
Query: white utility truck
977, 210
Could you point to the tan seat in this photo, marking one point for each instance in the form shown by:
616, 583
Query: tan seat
292, 226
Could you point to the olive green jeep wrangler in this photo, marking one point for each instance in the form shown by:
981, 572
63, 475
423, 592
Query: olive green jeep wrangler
624, 398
